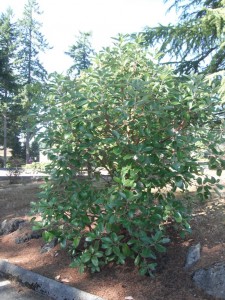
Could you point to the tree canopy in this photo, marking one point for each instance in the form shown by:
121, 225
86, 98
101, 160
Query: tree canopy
8, 82
196, 42
22, 75
80, 52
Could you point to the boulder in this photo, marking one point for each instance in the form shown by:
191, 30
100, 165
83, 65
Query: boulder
49, 246
193, 256
29, 236
8, 226
211, 280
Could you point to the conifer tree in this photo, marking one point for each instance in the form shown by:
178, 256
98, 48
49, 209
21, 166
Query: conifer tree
8, 80
32, 72
196, 42
80, 52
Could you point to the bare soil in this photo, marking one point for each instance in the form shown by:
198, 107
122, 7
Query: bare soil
117, 282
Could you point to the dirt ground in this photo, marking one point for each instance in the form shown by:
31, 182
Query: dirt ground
117, 282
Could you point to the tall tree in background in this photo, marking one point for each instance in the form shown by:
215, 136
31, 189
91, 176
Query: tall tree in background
32, 72
80, 52
196, 43
8, 82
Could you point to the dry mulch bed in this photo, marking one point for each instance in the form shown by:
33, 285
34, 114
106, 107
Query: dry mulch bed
117, 282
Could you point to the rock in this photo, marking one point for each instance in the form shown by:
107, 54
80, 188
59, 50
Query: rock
29, 236
193, 256
12, 225
212, 280
48, 247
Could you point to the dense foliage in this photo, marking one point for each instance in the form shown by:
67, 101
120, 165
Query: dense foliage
80, 53
22, 77
32, 73
196, 42
135, 119
8, 83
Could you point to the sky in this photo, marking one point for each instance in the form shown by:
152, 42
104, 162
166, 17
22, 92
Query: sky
63, 19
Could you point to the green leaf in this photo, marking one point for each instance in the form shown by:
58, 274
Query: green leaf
112, 219
117, 179
116, 250
152, 266
123, 195
143, 271
114, 237
128, 156
157, 236
47, 235
212, 180
108, 251
96, 245
148, 253
126, 250
82, 102
116, 134
220, 186
219, 172
137, 260
63, 243
160, 248
199, 180
75, 264
88, 239
85, 257
180, 184
106, 240
36, 227
76, 242
178, 217
99, 254
128, 183
81, 268
94, 261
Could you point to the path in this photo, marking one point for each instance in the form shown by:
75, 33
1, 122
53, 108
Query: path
11, 291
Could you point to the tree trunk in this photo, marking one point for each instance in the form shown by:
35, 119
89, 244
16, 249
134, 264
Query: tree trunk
29, 96
5, 132
5, 139
27, 147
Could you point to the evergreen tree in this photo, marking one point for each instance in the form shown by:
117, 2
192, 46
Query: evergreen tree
196, 43
32, 72
80, 52
35, 151
8, 80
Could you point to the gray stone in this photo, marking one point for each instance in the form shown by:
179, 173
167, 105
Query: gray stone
193, 256
211, 280
29, 236
48, 247
8, 226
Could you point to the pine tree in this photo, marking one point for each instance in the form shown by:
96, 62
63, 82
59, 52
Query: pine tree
8, 80
32, 72
80, 52
196, 43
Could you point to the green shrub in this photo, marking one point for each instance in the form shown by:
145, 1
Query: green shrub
142, 124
